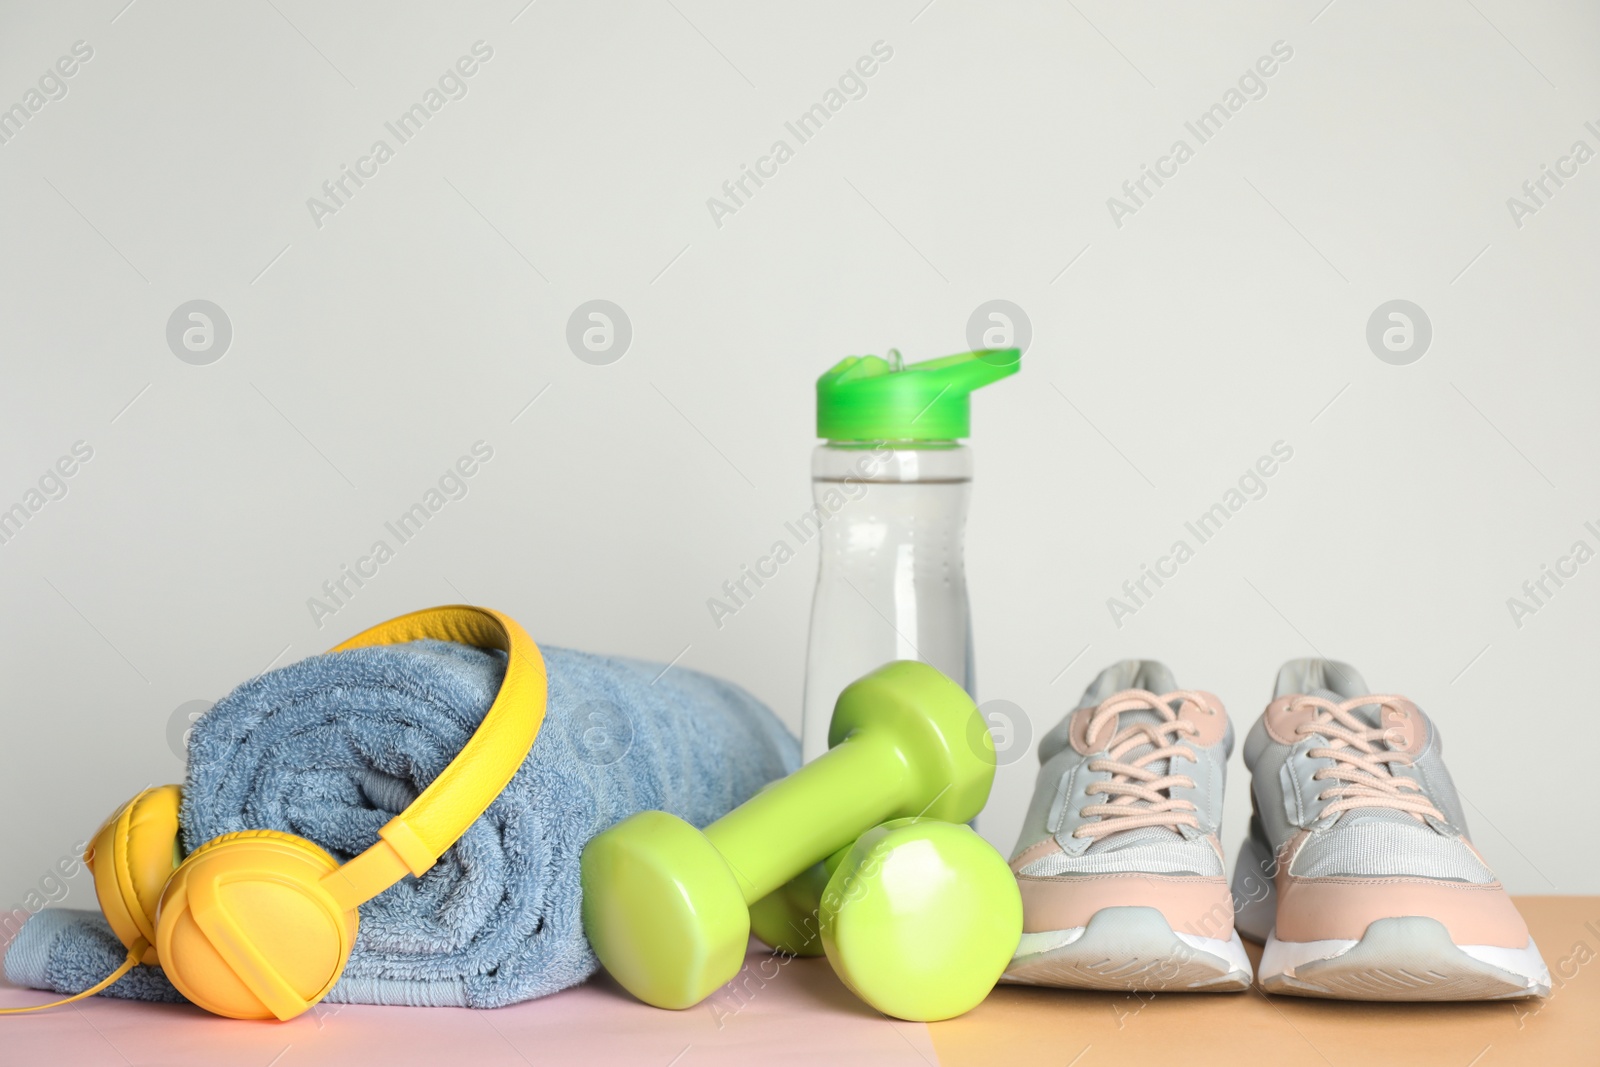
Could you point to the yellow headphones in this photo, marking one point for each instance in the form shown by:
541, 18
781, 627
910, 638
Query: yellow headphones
258, 924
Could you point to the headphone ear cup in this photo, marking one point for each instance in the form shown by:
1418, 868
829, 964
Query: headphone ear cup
131, 857
247, 930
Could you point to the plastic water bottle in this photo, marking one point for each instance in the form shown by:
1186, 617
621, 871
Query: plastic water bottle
890, 483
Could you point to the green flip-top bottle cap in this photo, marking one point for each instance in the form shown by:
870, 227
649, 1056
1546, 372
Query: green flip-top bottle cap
868, 398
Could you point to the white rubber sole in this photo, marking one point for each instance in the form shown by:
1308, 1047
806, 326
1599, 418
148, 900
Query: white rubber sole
1130, 949
1407, 958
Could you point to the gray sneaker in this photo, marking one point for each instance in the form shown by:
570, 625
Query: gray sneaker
1357, 872
1121, 872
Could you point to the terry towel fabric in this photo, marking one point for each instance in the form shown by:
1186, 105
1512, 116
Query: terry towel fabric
332, 747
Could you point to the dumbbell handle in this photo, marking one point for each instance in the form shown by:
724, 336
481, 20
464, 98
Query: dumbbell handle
860, 782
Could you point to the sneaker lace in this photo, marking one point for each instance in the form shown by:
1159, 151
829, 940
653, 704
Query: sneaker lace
1361, 767
1139, 795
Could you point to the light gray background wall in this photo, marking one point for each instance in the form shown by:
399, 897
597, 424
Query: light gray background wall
1167, 353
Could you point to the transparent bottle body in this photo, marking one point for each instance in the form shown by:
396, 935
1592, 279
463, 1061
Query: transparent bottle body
891, 583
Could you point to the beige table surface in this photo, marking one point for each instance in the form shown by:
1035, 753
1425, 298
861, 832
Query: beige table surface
1058, 1027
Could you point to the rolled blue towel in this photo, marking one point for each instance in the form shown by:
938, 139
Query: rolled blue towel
332, 747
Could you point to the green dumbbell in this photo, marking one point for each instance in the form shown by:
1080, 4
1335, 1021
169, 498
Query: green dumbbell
920, 918
666, 907
788, 920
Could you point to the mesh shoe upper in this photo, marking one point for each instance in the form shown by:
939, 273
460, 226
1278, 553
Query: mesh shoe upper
1374, 847
1147, 851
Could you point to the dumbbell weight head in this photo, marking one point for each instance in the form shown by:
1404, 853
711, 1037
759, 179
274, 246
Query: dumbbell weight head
933, 719
921, 918
671, 924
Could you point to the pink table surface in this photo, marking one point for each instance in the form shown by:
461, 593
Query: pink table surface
796, 1012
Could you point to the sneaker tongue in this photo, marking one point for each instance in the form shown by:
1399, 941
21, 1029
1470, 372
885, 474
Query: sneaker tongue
1370, 714
1367, 713
1134, 716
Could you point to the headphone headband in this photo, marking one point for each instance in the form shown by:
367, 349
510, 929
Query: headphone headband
413, 841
